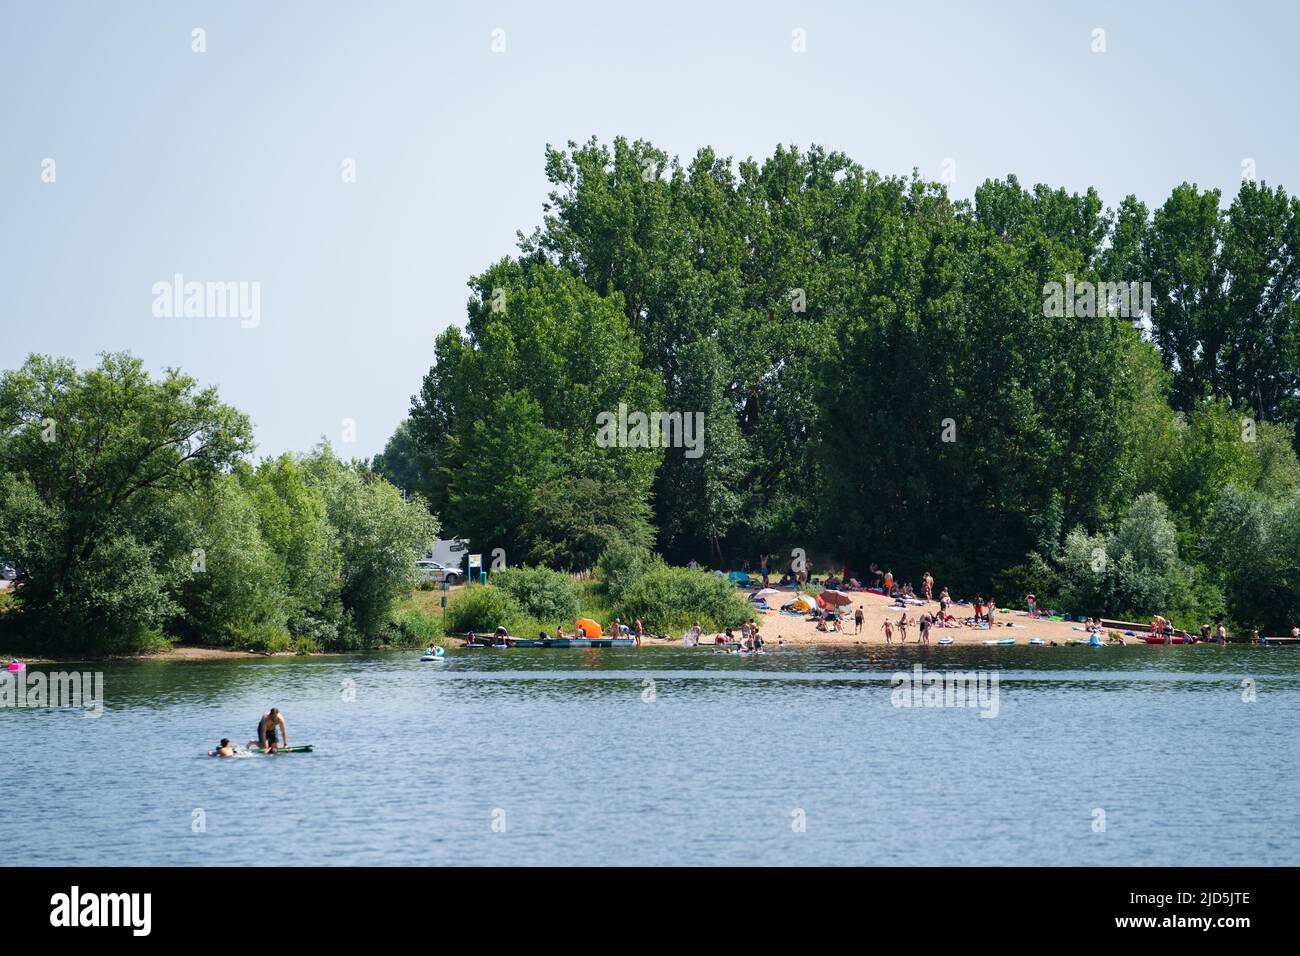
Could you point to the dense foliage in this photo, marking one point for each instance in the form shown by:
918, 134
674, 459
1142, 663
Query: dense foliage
884, 378
670, 599
134, 518
543, 594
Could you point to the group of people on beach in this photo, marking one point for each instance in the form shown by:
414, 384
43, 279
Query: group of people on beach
924, 623
984, 611
749, 640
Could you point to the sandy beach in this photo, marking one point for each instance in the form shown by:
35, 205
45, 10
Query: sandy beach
775, 626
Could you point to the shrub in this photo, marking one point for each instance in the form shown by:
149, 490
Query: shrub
484, 609
545, 595
319, 631
621, 566
667, 599
264, 638
1135, 571
415, 628
305, 645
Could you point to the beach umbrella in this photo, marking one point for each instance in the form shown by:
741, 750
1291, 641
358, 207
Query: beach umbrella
764, 594
835, 598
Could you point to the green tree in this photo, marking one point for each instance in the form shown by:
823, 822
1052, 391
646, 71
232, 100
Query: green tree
380, 535
94, 463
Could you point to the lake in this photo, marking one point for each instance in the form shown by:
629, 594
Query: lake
669, 755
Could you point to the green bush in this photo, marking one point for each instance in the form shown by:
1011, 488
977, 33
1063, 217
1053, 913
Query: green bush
264, 638
306, 645
545, 595
667, 599
1135, 571
324, 633
416, 628
621, 566
484, 609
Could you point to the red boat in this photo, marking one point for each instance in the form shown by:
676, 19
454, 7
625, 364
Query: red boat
1157, 639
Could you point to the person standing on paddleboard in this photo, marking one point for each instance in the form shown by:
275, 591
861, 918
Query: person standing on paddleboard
266, 728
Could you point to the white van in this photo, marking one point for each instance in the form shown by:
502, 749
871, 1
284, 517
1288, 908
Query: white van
449, 553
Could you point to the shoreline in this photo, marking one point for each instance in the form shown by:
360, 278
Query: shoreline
186, 654
777, 629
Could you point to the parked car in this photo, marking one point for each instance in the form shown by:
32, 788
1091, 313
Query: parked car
434, 571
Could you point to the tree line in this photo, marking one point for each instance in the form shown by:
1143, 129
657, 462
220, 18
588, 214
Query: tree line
883, 379
135, 517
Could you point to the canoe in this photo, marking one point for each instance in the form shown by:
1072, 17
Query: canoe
576, 643
1037, 641
1155, 639
1001, 641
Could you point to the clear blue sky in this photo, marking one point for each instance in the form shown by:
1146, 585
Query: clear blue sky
226, 165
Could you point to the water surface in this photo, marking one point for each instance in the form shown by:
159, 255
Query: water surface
667, 755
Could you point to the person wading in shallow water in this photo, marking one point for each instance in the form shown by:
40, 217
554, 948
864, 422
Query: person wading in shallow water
266, 732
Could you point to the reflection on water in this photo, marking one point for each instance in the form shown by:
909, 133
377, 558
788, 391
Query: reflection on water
670, 756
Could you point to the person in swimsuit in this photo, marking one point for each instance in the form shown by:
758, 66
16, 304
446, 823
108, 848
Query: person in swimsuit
888, 628
903, 625
224, 749
266, 732
857, 620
